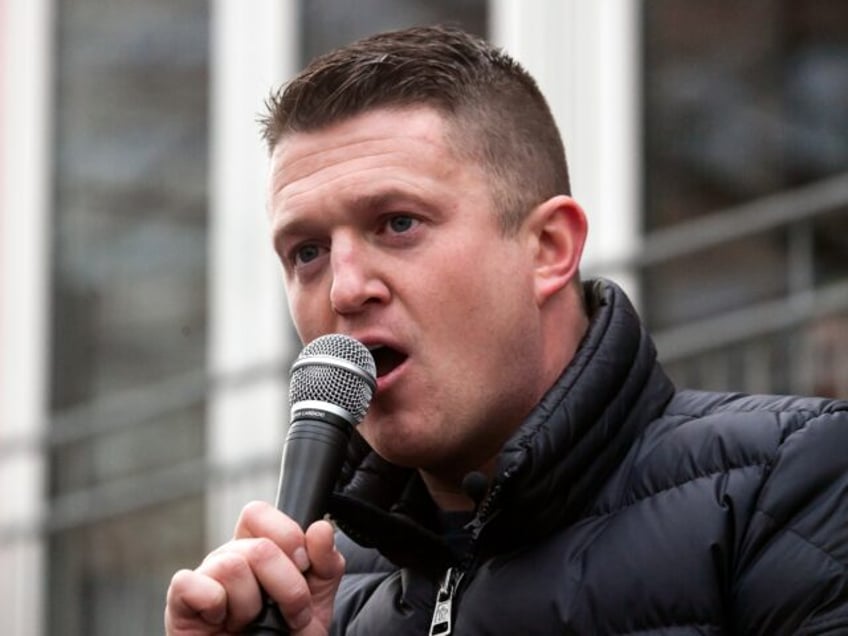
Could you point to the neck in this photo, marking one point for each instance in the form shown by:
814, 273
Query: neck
452, 494
564, 327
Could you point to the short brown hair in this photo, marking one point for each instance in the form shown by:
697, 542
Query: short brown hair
496, 114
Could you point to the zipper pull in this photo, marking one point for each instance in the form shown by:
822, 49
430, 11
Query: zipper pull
441, 624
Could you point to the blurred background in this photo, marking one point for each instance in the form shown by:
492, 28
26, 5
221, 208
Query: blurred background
144, 339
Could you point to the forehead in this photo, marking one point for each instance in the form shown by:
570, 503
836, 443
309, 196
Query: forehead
400, 149
400, 131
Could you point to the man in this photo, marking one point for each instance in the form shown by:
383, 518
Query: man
525, 467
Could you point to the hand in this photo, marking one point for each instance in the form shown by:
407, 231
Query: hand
301, 572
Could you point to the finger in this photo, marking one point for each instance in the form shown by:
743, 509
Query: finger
326, 561
327, 569
243, 565
261, 519
194, 600
231, 569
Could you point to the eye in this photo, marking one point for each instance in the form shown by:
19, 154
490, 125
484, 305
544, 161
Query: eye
305, 254
401, 223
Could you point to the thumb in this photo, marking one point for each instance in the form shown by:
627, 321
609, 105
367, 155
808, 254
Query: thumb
327, 566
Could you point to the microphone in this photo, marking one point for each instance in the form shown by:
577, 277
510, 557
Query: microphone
330, 388
332, 382
475, 484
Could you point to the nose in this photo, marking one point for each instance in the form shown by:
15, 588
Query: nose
357, 282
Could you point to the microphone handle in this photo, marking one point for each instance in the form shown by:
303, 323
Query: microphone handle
313, 456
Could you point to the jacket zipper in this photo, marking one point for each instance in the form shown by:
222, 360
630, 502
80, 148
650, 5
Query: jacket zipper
442, 622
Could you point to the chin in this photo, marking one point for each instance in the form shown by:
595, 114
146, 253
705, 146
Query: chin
400, 439
396, 448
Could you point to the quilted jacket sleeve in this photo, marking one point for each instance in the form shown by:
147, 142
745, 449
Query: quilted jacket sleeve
792, 568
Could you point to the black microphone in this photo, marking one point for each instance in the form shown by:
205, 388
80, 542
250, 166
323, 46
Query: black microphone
331, 385
475, 484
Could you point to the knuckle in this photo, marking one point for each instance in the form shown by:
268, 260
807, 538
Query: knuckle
263, 550
180, 579
252, 511
179, 582
298, 594
213, 554
227, 566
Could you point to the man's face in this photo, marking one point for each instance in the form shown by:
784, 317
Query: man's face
386, 236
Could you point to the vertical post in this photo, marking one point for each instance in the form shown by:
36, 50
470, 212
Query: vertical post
254, 47
25, 81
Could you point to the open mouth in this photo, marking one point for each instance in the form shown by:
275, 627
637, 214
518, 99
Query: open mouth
387, 359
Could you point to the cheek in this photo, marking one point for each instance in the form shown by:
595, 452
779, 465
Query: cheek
492, 295
307, 314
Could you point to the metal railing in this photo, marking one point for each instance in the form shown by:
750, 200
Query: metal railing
709, 351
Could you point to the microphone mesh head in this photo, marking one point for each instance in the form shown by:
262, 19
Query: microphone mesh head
335, 369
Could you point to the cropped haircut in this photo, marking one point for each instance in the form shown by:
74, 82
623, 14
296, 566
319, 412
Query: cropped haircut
495, 114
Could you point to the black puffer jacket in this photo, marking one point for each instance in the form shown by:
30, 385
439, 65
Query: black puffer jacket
621, 506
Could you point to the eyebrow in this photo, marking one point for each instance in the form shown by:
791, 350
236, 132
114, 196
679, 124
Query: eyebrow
389, 198
361, 205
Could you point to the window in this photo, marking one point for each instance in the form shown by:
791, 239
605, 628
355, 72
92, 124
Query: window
746, 118
129, 306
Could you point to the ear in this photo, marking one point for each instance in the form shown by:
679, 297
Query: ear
558, 229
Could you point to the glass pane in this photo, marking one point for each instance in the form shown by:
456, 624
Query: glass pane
743, 99
129, 304
327, 24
